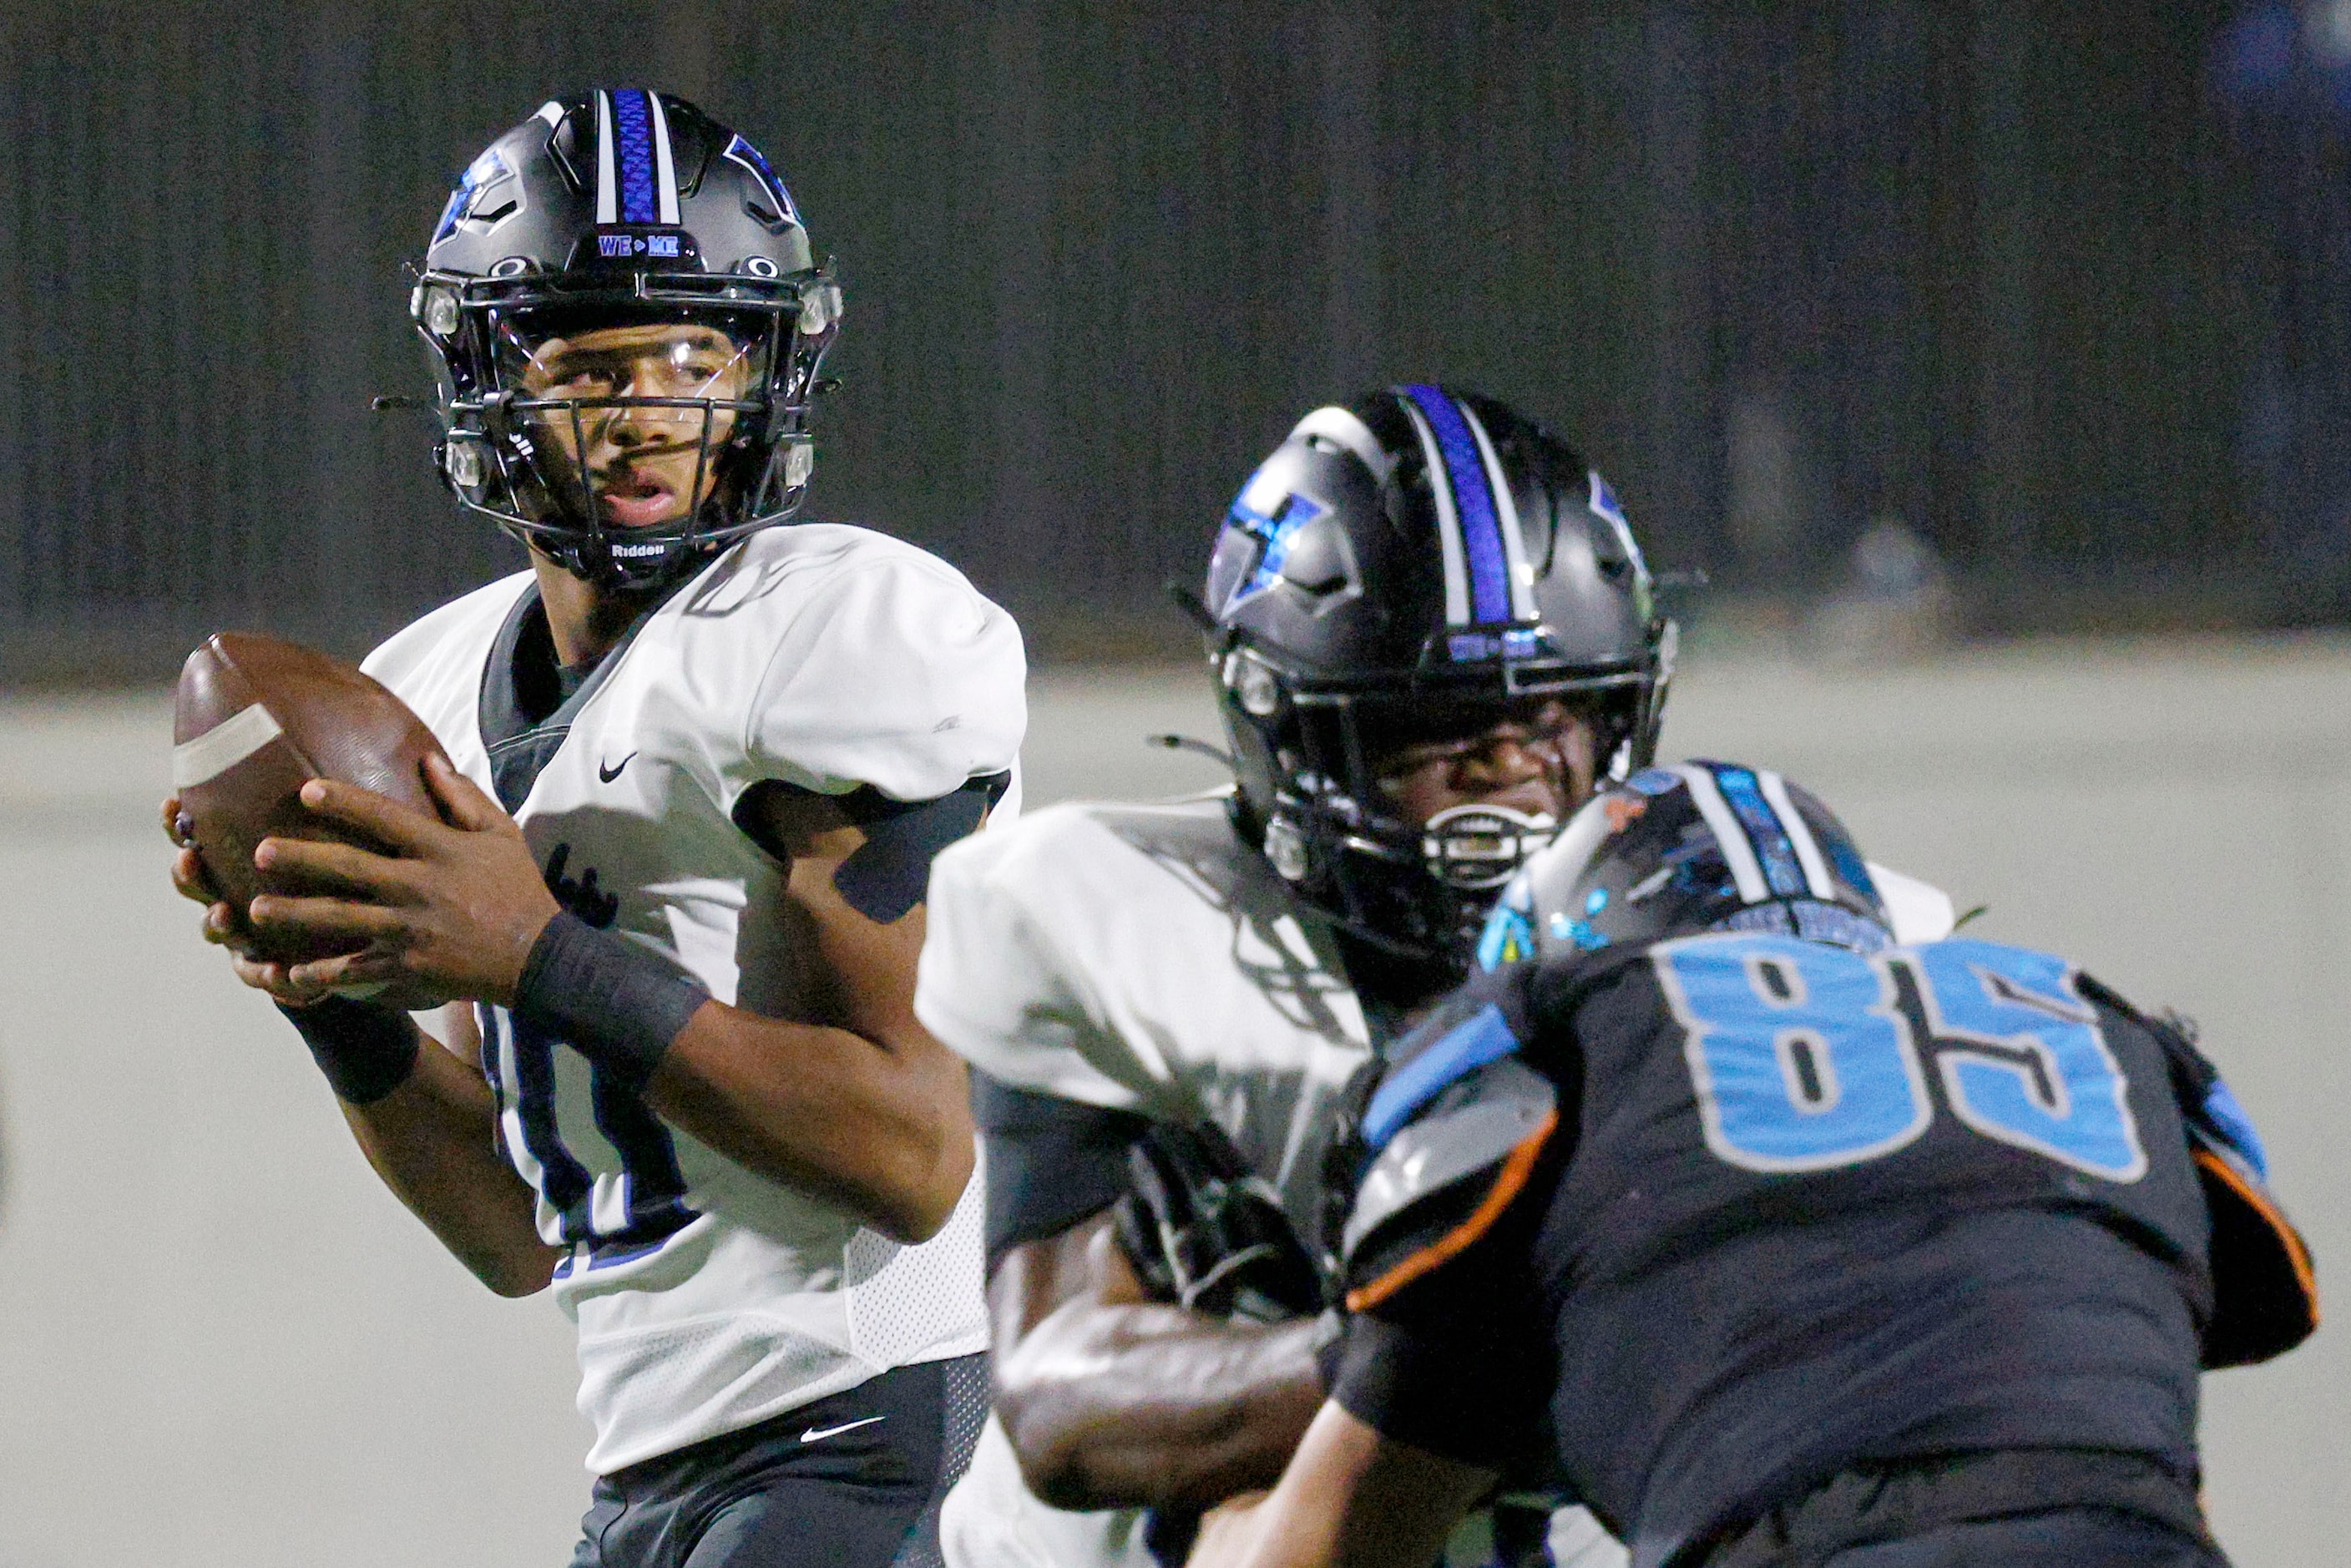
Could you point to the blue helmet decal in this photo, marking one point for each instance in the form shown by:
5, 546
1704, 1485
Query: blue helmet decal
744, 153
484, 171
1274, 531
1509, 939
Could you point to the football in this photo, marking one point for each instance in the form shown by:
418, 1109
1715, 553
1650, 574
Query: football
257, 717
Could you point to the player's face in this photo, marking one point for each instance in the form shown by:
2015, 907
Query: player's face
644, 465
1538, 758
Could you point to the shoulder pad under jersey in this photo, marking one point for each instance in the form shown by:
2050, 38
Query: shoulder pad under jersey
2264, 1290
1452, 1136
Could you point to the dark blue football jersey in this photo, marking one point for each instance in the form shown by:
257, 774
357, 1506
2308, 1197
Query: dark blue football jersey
1717, 1219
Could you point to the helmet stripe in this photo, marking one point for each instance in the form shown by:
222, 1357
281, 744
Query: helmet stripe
1448, 525
608, 185
634, 156
665, 168
1741, 856
1505, 513
1763, 831
1342, 428
1800, 834
1464, 473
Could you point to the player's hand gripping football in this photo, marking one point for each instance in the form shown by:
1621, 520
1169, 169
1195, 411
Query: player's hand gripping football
450, 917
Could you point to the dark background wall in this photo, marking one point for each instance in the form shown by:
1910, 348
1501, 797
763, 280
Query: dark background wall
2051, 285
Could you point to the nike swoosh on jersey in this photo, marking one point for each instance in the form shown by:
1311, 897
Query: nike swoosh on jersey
608, 775
818, 1434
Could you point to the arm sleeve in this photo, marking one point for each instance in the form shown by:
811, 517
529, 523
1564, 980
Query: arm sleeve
1051, 1163
1456, 1366
901, 677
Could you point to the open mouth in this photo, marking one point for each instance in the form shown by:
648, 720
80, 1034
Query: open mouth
635, 499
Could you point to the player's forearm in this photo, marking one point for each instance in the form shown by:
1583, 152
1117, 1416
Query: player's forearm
883, 1130
1350, 1499
431, 1141
1150, 1405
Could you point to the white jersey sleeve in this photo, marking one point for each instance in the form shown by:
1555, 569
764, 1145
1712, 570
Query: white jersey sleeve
995, 982
938, 675
1921, 911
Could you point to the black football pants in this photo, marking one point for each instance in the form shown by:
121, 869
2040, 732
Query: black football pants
852, 1482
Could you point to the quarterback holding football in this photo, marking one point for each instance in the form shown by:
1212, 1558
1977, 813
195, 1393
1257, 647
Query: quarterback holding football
697, 766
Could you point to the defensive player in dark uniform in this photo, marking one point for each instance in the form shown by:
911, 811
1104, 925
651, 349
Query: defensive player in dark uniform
1792, 1245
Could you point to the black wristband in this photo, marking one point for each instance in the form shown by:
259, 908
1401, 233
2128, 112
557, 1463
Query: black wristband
365, 1048
615, 1002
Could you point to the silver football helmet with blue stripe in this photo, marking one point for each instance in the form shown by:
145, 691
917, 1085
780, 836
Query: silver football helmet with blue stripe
629, 322
1418, 554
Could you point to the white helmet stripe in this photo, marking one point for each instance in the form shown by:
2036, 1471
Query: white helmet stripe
1800, 834
1342, 428
665, 170
1745, 869
607, 179
1448, 523
1506, 512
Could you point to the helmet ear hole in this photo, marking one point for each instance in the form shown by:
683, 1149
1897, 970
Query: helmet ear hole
1254, 684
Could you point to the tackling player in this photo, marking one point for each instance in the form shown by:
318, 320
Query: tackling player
1431, 631
1790, 1246
700, 765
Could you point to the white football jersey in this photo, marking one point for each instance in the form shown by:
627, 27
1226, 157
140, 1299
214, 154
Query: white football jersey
827, 658
1142, 959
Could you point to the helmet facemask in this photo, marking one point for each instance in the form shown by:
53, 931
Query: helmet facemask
1414, 568
1412, 881
629, 323
630, 438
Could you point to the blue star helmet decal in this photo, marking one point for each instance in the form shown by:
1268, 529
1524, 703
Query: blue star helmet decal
1275, 529
1604, 504
487, 169
748, 156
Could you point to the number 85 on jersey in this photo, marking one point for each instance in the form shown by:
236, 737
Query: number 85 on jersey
1808, 1057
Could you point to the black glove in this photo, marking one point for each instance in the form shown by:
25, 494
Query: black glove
1203, 1231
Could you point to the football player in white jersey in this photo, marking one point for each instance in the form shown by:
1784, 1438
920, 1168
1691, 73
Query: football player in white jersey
700, 767
1431, 629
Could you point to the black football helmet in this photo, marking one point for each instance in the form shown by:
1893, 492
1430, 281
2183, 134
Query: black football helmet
613, 211
1694, 847
1418, 554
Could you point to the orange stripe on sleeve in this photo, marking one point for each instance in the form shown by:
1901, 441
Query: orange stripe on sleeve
1506, 1185
2295, 1252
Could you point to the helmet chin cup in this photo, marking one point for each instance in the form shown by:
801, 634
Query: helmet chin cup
1476, 847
